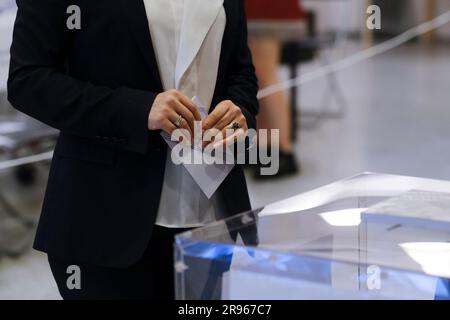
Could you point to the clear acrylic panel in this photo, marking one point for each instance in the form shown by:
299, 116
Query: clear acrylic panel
315, 246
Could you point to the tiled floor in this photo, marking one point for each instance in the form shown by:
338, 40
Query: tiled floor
397, 122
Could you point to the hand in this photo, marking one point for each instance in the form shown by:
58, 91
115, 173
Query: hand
168, 107
224, 115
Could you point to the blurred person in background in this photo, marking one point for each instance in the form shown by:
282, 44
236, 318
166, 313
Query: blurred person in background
265, 17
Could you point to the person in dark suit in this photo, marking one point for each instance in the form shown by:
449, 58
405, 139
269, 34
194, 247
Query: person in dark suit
114, 201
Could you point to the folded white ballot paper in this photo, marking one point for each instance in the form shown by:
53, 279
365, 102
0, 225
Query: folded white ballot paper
208, 177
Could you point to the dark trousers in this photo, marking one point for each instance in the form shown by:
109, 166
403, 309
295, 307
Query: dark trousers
152, 277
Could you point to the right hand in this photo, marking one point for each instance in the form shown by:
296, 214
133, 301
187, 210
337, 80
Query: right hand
167, 108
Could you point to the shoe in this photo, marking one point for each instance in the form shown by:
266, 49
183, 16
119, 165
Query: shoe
288, 166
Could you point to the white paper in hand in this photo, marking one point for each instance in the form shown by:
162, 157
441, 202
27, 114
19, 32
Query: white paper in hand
208, 177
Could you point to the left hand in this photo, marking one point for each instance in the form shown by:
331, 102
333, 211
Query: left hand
222, 118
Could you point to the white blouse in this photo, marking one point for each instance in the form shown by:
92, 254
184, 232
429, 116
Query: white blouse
187, 39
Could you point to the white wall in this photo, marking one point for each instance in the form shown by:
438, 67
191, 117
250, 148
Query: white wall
345, 15
350, 15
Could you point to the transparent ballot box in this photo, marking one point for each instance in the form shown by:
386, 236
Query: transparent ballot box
317, 246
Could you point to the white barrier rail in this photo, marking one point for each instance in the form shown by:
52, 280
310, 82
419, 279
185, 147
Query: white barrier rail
26, 160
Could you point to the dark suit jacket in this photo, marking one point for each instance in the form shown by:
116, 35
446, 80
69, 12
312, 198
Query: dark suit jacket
97, 86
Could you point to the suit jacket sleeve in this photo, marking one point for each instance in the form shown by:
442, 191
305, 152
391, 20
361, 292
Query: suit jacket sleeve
242, 84
39, 86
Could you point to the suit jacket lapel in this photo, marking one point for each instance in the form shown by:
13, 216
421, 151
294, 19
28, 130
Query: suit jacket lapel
138, 23
199, 16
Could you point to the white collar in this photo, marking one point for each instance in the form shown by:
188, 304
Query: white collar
199, 16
